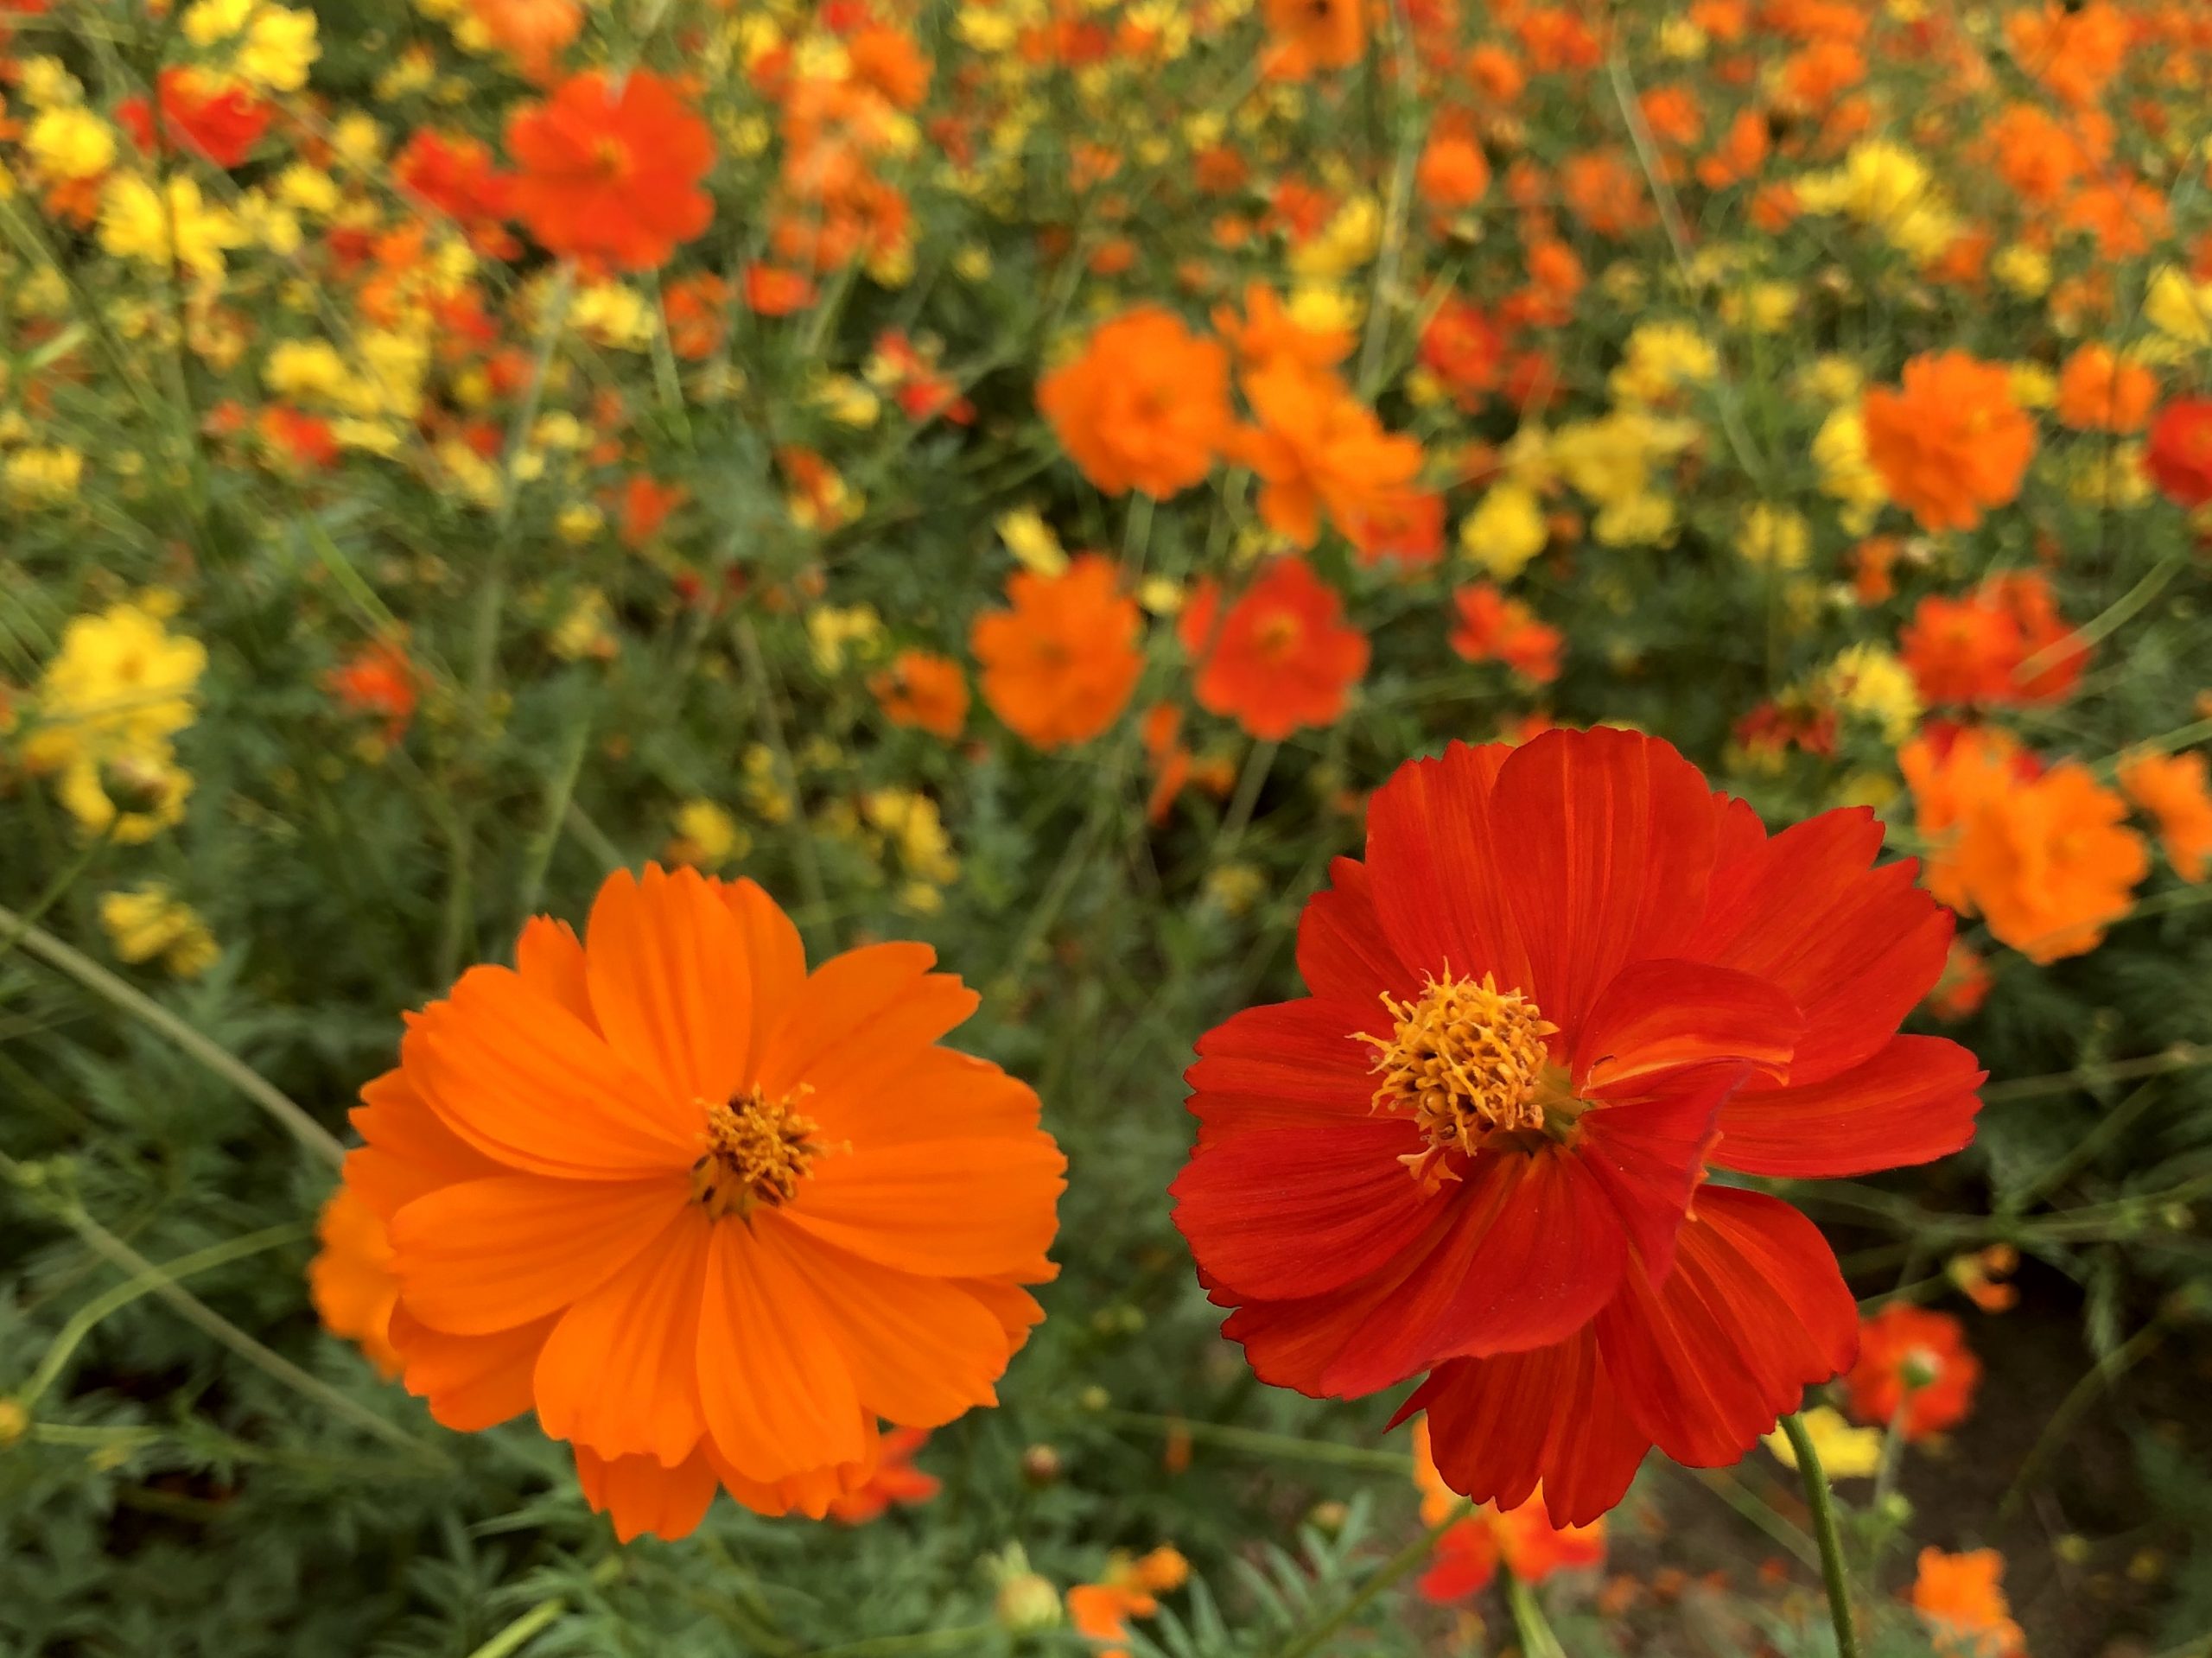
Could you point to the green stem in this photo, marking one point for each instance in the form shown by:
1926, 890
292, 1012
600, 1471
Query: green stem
241, 1077
2107, 1370
1258, 1443
87, 1317
535, 1622
560, 792
1537, 1640
1821, 1500
2183, 1056
1737, 1496
1404, 1562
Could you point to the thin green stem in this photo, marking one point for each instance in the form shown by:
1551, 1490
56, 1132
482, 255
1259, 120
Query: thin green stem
1258, 1443
1529, 1622
1401, 1564
2107, 1371
2183, 1056
1821, 1500
1733, 1492
86, 1318
233, 1070
560, 792
535, 1622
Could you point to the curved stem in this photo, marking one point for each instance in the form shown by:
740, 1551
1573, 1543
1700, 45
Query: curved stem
535, 1622
1822, 1503
1406, 1560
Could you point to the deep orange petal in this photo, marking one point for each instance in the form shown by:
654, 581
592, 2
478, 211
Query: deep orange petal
942, 1208
665, 963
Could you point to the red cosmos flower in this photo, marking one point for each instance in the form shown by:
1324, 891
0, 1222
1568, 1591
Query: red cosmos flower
1915, 1361
1465, 350
219, 121
611, 175
1282, 659
456, 176
1568, 979
1973, 650
377, 679
1494, 628
2178, 456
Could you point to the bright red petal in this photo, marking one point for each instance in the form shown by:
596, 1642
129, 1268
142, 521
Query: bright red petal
1499, 1426
1603, 840
1661, 1014
1343, 952
1440, 869
1857, 947
1301, 1212
1289, 1064
1914, 1101
1649, 1154
1754, 1313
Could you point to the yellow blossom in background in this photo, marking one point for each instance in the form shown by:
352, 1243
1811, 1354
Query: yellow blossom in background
2024, 269
1345, 243
1644, 518
1847, 473
121, 682
1870, 680
129, 796
207, 21
847, 401
42, 475
587, 629
135, 224
909, 821
834, 635
1033, 543
612, 314
2033, 385
1887, 187
1661, 358
149, 921
1774, 538
1846, 1453
2178, 308
708, 837
69, 142
1159, 595
1505, 531
280, 48
1234, 888
2108, 475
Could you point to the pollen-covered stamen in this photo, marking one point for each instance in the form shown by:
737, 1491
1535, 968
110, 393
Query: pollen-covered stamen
1465, 1060
758, 1151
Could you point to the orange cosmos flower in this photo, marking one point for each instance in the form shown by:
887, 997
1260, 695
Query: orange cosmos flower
1317, 447
611, 175
2042, 853
923, 689
1453, 173
1467, 1556
1917, 1362
350, 1280
1977, 650
1949, 442
2171, 788
1959, 1599
1567, 980
1311, 34
712, 1215
377, 679
533, 31
1268, 336
1058, 667
2178, 455
1283, 657
895, 1480
1494, 628
2101, 392
1145, 407
1101, 1611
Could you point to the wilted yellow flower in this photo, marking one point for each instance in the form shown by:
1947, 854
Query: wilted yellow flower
149, 920
587, 629
1505, 531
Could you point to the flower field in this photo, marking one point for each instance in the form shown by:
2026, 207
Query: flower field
1132, 829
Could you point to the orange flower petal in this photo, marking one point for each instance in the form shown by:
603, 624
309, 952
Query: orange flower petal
470, 1382
489, 1254
665, 961
841, 998
617, 1373
641, 1496
522, 1080
942, 1208
777, 956
550, 959
922, 1350
779, 1396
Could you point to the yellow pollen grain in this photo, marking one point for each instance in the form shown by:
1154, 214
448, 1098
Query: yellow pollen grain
757, 1152
1465, 1060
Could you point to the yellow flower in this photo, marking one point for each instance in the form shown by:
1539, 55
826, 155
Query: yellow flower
909, 820
149, 920
1638, 520
135, 224
131, 797
121, 682
610, 314
2180, 309
280, 46
2024, 269
1847, 475
588, 630
1347, 243
846, 401
1505, 531
310, 189
207, 21
306, 370
1661, 358
70, 142
1033, 543
1774, 538
1872, 682
708, 837
1846, 1453
832, 633
43, 475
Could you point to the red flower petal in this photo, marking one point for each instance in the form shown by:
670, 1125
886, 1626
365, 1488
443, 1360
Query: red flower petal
1912, 1102
1497, 1427
1439, 872
1661, 1014
1649, 1155
1290, 1064
1754, 1313
1302, 1212
1604, 841
1343, 952
1856, 946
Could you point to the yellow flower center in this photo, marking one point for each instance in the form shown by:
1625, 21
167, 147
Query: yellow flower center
758, 1151
1467, 1061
